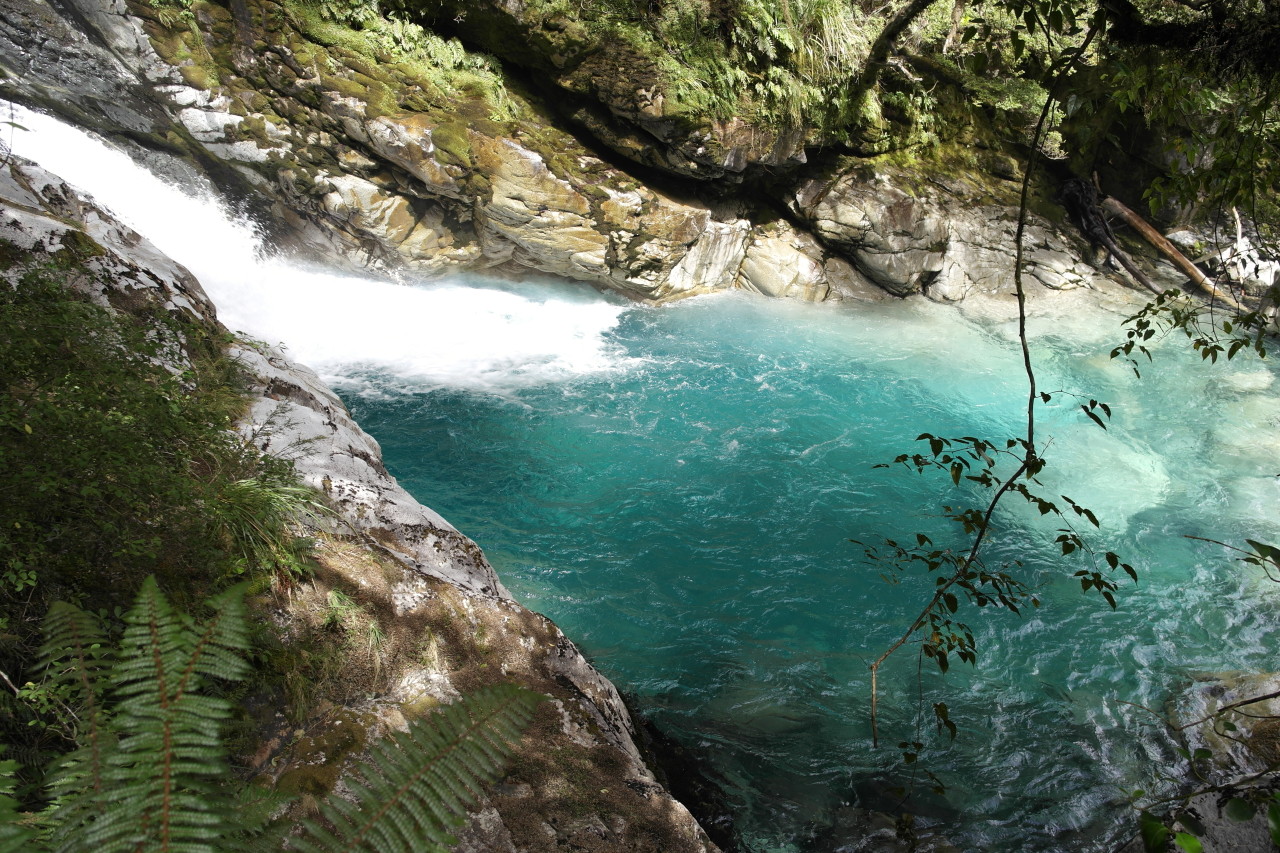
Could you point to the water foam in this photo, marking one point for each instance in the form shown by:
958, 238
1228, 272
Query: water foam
476, 334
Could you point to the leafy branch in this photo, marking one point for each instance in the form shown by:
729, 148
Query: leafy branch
1238, 799
1210, 335
973, 459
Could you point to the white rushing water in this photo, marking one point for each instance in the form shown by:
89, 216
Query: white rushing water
333, 322
483, 335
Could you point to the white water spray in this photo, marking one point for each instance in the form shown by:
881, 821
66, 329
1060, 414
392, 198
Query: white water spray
372, 336
465, 335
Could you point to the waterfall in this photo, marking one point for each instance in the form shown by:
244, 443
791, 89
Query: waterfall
476, 333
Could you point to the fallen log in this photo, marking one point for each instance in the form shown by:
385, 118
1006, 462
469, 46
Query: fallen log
1082, 201
1170, 251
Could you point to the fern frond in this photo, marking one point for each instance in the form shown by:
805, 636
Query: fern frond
164, 781
254, 807
13, 838
77, 662
418, 784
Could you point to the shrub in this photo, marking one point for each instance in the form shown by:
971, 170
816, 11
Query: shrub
118, 461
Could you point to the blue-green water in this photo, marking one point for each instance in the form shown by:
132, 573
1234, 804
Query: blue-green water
682, 506
677, 486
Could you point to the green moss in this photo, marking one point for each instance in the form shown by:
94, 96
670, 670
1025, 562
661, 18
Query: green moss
198, 76
451, 138
77, 247
169, 46
319, 754
419, 706
11, 255
377, 96
254, 128
404, 66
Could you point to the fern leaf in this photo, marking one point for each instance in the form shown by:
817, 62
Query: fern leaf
13, 838
163, 782
74, 655
418, 784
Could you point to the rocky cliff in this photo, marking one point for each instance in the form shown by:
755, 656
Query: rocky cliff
447, 625
388, 147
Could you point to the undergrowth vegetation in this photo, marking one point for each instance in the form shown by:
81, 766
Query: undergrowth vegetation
782, 64
441, 66
118, 461
135, 522
150, 769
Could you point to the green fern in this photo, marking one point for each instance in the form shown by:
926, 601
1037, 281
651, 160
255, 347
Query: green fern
162, 784
77, 666
13, 838
420, 783
151, 771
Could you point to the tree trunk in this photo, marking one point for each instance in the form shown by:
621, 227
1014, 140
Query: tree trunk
1170, 251
957, 18
878, 58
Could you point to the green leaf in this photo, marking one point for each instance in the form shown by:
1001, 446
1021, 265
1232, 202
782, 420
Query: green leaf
1273, 821
1188, 842
13, 838
419, 784
153, 780
1155, 835
943, 715
1239, 810
1267, 552
1191, 823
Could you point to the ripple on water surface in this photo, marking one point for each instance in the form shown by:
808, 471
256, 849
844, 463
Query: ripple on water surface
686, 514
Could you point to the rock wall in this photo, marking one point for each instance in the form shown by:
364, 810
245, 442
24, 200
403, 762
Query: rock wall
348, 149
578, 781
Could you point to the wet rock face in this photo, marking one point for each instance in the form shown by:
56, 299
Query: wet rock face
115, 267
354, 159
295, 417
47, 58
946, 242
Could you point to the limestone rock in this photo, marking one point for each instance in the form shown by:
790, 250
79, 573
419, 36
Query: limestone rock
41, 214
296, 417
329, 169
946, 242
780, 261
